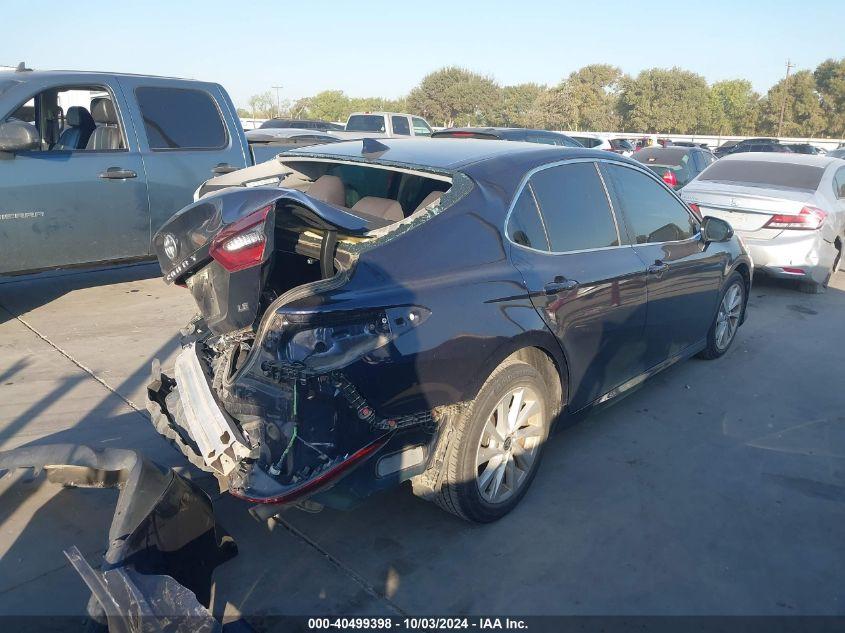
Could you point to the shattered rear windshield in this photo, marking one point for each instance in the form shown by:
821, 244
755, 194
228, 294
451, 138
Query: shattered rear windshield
766, 174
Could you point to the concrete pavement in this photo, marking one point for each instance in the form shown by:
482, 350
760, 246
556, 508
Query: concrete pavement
718, 488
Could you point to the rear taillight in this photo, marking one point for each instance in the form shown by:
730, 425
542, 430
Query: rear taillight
670, 179
696, 210
808, 219
241, 245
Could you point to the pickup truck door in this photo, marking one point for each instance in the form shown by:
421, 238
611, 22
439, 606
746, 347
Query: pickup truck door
76, 205
188, 132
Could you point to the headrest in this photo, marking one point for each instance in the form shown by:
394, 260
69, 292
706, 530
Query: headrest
328, 189
434, 196
103, 111
380, 208
77, 116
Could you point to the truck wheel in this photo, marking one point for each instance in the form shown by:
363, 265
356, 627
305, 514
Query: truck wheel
495, 446
728, 317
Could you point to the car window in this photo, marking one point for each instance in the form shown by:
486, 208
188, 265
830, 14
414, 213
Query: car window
421, 128
574, 207
400, 125
180, 118
539, 137
365, 123
653, 214
525, 226
839, 183
751, 172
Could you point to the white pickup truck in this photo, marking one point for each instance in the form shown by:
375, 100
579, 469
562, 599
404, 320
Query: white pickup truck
384, 124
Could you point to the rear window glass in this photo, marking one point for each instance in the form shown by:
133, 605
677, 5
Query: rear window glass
675, 157
365, 123
765, 174
179, 118
401, 125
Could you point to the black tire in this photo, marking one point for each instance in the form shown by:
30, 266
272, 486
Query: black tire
458, 491
713, 349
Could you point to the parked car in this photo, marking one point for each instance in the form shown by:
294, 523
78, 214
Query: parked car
805, 148
789, 210
412, 309
592, 141
621, 146
837, 153
675, 165
724, 148
283, 139
385, 125
703, 146
544, 137
301, 124
763, 146
106, 160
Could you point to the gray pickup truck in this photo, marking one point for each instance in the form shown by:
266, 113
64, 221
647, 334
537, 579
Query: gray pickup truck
92, 164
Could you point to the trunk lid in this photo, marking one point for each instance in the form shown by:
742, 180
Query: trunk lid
295, 231
747, 209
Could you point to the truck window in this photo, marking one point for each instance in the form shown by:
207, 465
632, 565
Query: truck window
365, 123
181, 118
421, 128
74, 118
400, 125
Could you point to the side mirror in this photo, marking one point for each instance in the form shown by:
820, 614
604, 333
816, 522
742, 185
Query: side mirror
16, 136
715, 230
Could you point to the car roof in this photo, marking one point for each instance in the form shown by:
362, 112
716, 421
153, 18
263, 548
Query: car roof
80, 74
450, 154
498, 130
815, 160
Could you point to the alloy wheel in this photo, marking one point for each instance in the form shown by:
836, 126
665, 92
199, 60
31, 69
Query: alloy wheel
510, 441
730, 312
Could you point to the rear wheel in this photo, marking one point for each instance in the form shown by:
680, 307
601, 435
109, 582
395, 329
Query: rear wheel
728, 317
495, 447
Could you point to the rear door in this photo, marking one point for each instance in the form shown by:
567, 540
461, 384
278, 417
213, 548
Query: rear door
77, 205
588, 287
684, 274
188, 133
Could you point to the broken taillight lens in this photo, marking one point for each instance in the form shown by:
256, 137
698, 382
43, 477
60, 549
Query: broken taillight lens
808, 219
241, 245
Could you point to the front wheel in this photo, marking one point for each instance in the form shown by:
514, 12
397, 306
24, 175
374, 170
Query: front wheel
728, 317
495, 446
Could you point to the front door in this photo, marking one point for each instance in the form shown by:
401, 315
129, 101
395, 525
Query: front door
684, 275
189, 133
587, 285
73, 200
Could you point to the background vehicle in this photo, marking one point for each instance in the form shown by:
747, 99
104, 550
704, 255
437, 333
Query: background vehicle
837, 153
332, 361
385, 125
509, 134
724, 148
703, 146
675, 165
592, 141
621, 146
282, 139
107, 159
301, 124
805, 148
789, 210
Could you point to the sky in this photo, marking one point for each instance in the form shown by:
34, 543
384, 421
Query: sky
379, 48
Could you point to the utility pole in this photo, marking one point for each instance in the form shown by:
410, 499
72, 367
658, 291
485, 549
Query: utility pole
789, 67
278, 102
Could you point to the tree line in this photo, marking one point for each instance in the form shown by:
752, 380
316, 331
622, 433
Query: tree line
600, 97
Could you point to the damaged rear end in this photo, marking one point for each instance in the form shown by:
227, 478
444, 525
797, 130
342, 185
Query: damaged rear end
262, 395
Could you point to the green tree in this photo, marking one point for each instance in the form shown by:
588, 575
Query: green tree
666, 100
733, 107
455, 96
516, 103
595, 92
803, 113
261, 105
553, 109
328, 105
830, 84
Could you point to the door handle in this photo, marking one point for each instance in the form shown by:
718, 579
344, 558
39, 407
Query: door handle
658, 268
223, 168
560, 285
118, 173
